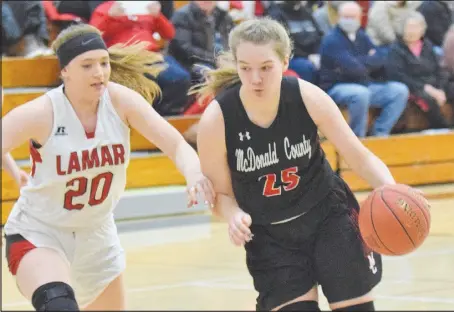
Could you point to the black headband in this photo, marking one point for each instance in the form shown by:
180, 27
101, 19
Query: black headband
78, 45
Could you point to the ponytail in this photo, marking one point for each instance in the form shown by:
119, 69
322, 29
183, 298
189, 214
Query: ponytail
217, 80
130, 63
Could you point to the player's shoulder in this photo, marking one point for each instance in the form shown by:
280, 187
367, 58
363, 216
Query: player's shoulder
118, 92
228, 94
121, 97
309, 91
212, 113
212, 119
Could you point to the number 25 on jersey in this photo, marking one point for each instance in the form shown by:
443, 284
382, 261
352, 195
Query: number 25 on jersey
288, 177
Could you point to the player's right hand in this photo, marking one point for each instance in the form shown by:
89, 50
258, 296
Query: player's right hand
239, 231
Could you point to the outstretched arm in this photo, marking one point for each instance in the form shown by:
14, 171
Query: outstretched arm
140, 115
332, 124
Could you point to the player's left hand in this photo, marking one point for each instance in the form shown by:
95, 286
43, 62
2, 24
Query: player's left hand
22, 178
202, 185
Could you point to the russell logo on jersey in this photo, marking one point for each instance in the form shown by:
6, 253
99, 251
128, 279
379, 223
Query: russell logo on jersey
61, 131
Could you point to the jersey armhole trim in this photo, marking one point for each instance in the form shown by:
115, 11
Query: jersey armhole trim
39, 145
110, 106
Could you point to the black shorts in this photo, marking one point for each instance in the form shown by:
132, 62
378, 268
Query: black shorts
322, 247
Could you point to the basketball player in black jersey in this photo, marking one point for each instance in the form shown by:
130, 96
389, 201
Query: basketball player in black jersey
296, 218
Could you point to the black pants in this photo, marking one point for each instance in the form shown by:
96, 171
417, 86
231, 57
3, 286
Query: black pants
323, 247
429, 106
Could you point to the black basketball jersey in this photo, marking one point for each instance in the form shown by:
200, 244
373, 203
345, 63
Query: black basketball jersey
277, 172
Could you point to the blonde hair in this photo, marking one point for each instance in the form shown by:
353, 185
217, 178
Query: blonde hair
129, 61
258, 31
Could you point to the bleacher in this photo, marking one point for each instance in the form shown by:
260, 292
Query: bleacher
414, 159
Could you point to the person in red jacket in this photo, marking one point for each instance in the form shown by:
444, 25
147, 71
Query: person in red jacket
112, 18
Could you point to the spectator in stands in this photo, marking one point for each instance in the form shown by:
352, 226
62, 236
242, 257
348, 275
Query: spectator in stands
111, 18
11, 33
385, 17
305, 33
24, 29
413, 61
167, 8
81, 8
448, 52
327, 16
244, 10
354, 75
202, 30
439, 18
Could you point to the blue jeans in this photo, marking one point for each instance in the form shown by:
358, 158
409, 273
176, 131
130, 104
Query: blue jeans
304, 68
173, 72
175, 82
391, 96
438, 51
12, 32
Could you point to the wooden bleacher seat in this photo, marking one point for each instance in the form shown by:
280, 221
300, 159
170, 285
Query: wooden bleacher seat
413, 159
35, 72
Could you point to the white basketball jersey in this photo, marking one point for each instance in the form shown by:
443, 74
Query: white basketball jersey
77, 178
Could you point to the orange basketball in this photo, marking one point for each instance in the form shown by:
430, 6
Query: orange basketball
394, 220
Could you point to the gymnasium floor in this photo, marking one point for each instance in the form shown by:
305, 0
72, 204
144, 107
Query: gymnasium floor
196, 268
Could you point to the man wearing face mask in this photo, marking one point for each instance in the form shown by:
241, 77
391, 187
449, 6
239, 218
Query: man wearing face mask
353, 74
327, 16
304, 32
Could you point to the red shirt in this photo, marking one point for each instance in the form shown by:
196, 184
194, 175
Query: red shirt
121, 29
416, 47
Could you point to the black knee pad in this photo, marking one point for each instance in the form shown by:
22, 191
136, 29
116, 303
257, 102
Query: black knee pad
55, 296
366, 306
301, 306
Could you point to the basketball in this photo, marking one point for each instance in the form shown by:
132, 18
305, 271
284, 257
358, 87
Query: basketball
394, 220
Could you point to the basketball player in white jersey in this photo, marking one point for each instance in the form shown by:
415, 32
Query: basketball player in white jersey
61, 239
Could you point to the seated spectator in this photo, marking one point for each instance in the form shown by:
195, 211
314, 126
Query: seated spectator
201, 31
248, 9
448, 62
353, 74
11, 32
327, 16
385, 17
413, 62
304, 32
111, 18
438, 16
167, 8
24, 29
80, 8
